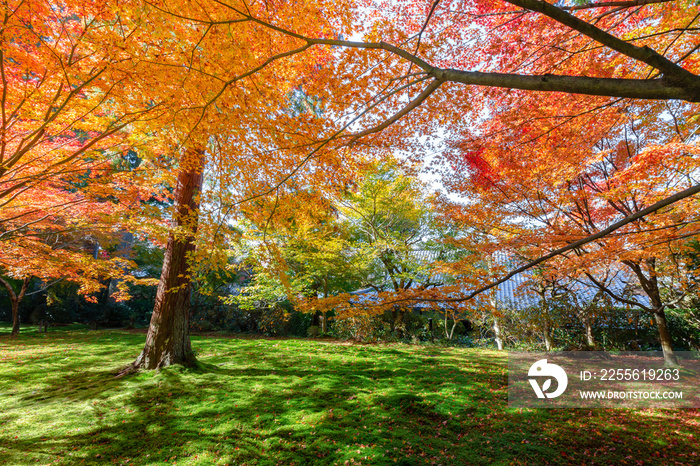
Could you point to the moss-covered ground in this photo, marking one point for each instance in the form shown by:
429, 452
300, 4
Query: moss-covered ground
298, 402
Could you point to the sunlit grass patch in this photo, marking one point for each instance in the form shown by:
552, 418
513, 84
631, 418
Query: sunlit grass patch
260, 401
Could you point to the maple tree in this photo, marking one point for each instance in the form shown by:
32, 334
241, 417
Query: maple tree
310, 248
552, 26
388, 215
546, 179
65, 108
64, 113
544, 54
236, 112
298, 249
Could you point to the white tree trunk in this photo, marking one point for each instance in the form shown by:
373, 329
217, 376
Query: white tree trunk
497, 333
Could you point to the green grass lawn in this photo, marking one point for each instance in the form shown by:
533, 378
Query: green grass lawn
259, 401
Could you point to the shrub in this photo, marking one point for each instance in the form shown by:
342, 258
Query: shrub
364, 329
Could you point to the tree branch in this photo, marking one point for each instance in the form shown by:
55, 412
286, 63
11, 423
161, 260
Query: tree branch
659, 88
432, 87
606, 290
577, 244
643, 54
9, 289
677, 83
45, 287
622, 4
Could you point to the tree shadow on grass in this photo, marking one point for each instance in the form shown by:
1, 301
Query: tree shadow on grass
305, 415
360, 407
118, 340
77, 385
398, 426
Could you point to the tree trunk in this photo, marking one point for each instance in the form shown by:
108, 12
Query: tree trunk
168, 340
15, 317
665, 339
496, 326
588, 328
547, 338
497, 333
452, 330
590, 340
397, 322
15, 299
651, 288
324, 323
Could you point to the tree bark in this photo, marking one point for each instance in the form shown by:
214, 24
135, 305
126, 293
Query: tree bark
15, 317
590, 340
452, 330
584, 316
547, 339
324, 320
670, 358
497, 333
496, 327
168, 340
449, 334
15, 299
397, 322
651, 288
